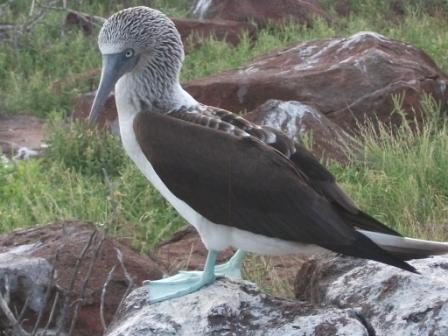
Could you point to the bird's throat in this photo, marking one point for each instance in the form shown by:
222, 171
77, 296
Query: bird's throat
136, 92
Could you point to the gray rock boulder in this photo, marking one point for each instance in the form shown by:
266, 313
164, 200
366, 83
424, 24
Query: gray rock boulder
230, 308
394, 302
69, 265
27, 276
336, 296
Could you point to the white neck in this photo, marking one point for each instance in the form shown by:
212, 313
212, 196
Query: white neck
130, 99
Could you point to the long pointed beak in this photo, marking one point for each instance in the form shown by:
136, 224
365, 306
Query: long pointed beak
110, 73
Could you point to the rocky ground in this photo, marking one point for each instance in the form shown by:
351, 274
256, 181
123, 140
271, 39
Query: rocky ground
63, 272
230, 308
68, 265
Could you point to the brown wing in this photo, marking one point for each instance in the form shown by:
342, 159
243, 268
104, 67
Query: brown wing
234, 179
318, 177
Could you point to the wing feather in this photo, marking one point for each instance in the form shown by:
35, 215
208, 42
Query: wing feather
235, 179
318, 177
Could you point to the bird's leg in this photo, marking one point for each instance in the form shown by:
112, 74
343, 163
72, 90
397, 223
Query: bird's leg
232, 268
182, 283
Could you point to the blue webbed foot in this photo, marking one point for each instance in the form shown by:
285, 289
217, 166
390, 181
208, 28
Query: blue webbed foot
178, 285
186, 282
182, 283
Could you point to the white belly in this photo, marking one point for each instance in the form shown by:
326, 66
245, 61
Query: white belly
214, 236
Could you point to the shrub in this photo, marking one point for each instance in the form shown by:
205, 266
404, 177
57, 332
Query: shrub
84, 149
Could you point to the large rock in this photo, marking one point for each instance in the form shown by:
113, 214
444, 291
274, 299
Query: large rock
86, 22
299, 121
42, 260
260, 11
347, 79
394, 302
228, 308
338, 296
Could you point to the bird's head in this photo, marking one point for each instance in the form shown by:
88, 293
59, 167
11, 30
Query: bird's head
134, 41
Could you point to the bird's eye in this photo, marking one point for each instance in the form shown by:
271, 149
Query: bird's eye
129, 53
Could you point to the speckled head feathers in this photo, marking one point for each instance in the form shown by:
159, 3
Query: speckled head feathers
149, 77
140, 28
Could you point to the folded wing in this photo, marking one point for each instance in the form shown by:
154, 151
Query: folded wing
232, 178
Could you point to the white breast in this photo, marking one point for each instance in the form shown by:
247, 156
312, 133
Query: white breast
215, 236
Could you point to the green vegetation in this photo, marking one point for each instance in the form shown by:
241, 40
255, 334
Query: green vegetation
85, 175
403, 180
113, 192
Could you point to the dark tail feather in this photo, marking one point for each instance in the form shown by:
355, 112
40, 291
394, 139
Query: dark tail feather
365, 248
363, 221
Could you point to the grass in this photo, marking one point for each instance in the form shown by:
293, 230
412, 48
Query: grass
40, 191
403, 180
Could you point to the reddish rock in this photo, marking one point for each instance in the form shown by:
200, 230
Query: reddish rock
297, 120
21, 136
193, 32
347, 79
185, 251
60, 245
261, 11
82, 20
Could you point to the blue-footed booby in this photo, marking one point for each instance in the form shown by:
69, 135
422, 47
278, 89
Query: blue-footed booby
239, 184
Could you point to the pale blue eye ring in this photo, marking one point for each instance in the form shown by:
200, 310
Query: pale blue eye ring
129, 53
